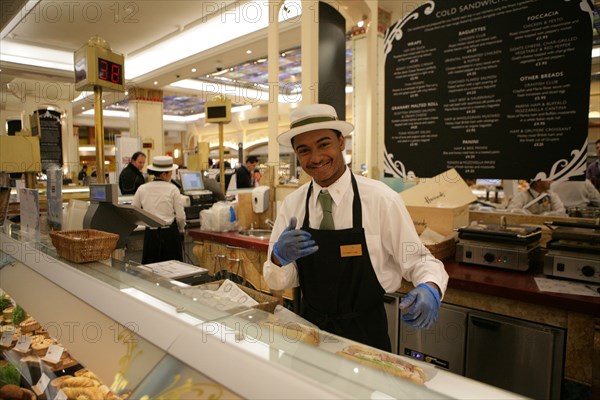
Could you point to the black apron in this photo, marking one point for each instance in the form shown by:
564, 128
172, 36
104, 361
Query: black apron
162, 244
340, 291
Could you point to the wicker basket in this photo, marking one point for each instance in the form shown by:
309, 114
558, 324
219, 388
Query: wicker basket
85, 245
265, 302
443, 250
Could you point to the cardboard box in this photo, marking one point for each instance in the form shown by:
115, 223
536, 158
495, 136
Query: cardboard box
440, 203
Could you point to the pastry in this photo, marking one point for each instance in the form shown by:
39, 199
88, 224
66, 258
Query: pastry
40, 347
29, 325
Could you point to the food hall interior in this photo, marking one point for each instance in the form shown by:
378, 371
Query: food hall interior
518, 299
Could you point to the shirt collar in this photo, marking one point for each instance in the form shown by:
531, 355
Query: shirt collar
337, 189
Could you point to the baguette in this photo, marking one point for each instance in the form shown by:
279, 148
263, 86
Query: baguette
385, 362
294, 332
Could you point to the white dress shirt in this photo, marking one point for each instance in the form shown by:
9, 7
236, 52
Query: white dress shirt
163, 200
393, 244
521, 199
577, 193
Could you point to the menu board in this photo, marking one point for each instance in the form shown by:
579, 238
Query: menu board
46, 124
492, 88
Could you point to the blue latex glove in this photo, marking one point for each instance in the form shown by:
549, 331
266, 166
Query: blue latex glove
293, 244
423, 303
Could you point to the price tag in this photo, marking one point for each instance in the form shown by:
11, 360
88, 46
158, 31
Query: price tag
61, 395
6, 338
23, 344
53, 354
42, 384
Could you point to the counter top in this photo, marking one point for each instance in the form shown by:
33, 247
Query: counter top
516, 285
231, 239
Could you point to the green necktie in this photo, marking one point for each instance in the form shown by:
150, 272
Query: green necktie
327, 221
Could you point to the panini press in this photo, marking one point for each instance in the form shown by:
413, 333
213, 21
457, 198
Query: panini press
513, 247
573, 251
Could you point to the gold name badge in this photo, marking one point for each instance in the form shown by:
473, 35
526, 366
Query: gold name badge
351, 250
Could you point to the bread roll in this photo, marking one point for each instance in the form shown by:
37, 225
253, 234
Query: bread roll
57, 382
79, 381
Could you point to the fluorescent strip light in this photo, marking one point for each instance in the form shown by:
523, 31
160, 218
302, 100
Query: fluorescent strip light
108, 113
237, 94
183, 118
37, 56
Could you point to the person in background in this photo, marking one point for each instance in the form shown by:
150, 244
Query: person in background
82, 176
346, 240
550, 203
257, 176
131, 178
161, 198
593, 170
577, 193
244, 175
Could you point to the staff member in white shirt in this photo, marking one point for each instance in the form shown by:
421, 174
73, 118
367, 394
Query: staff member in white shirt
161, 198
344, 270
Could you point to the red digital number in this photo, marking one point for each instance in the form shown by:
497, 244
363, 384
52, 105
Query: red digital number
103, 69
115, 73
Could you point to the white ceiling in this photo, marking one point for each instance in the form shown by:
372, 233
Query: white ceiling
131, 27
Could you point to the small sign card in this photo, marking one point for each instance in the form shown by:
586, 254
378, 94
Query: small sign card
53, 354
23, 344
42, 384
7, 337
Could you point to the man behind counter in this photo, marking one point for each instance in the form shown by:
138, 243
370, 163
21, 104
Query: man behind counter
352, 245
131, 178
244, 175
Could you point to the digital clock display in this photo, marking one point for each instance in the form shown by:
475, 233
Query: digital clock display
109, 71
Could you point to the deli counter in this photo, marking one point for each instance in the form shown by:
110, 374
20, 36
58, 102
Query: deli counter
136, 330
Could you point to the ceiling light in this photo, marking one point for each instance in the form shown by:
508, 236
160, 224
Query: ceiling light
156, 82
238, 93
19, 53
248, 51
186, 44
361, 23
193, 69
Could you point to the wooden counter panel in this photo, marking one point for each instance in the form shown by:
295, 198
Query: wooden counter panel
231, 239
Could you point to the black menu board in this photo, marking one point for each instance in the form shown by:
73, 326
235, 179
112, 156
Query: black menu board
46, 124
492, 88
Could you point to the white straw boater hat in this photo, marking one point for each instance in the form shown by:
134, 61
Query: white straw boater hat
162, 164
313, 117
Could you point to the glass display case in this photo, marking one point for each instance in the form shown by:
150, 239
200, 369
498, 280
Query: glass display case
144, 338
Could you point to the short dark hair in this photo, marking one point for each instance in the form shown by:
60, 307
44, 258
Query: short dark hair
252, 159
136, 155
